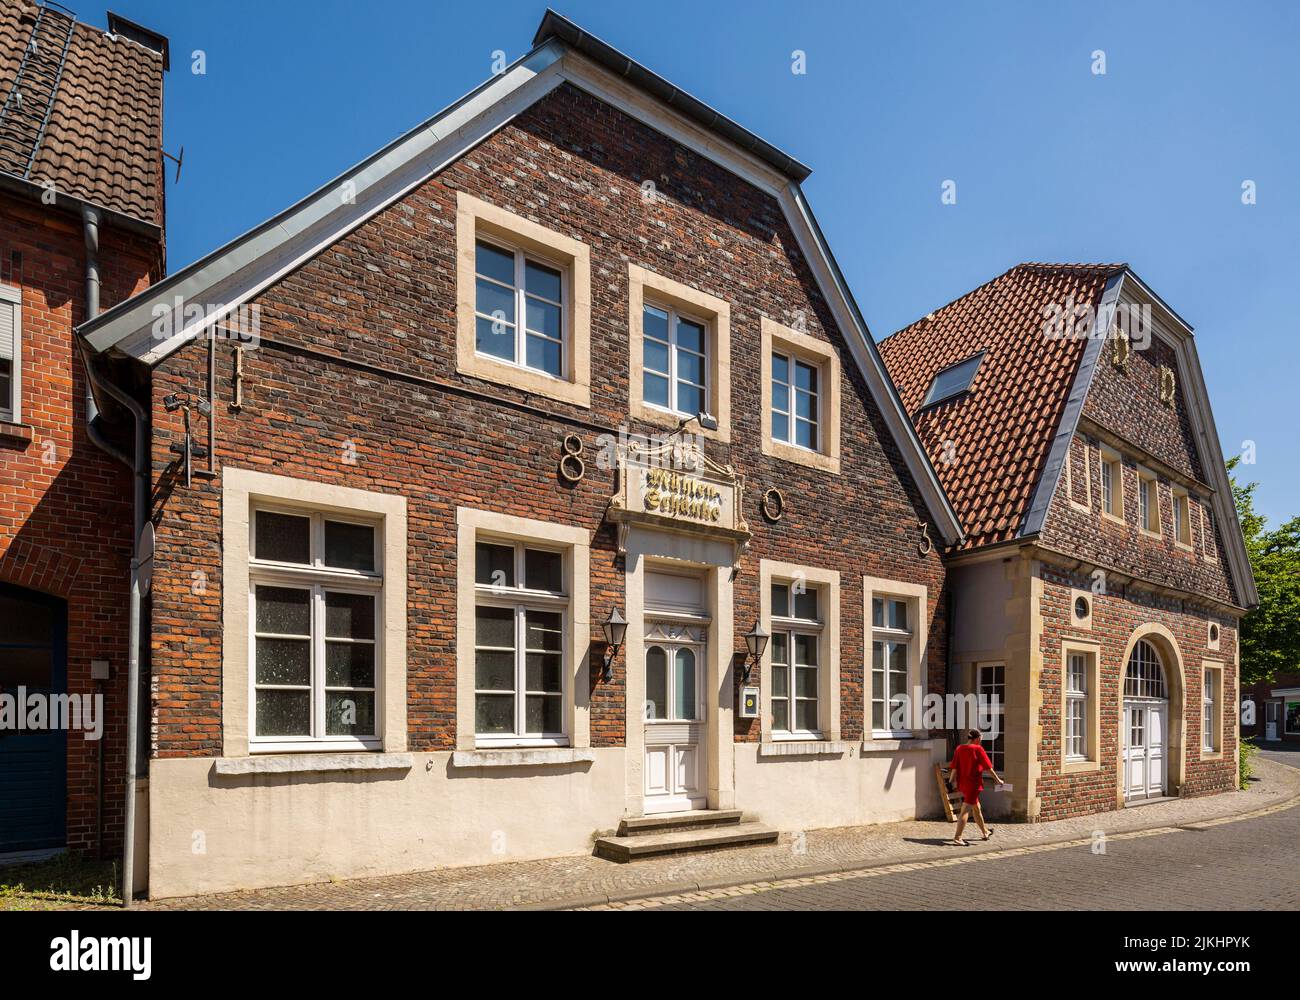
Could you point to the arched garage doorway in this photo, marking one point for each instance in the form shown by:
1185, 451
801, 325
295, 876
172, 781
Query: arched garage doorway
1151, 717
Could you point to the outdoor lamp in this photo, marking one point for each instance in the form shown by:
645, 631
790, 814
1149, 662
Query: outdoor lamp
756, 642
615, 628
707, 422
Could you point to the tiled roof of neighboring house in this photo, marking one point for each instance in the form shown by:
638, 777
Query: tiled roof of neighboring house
989, 444
103, 136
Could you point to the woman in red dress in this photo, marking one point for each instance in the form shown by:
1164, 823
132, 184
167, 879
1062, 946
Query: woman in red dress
969, 762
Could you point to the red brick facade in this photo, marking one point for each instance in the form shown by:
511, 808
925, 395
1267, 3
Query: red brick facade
1137, 580
358, 345
65, 506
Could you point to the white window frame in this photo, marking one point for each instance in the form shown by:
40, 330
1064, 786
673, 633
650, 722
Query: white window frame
802, 348
915, 597
474, 525
1212, 706
1087, 759
521, 296
317, 578
987, 688
522, 600
791, 626
675, 315
1075, 741
792, 360
647, 287
14, 412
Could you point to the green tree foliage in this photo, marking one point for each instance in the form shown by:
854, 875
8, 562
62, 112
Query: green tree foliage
1270, 635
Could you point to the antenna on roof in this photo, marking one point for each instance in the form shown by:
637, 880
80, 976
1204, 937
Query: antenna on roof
177, 160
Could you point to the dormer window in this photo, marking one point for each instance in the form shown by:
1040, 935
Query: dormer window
953, 380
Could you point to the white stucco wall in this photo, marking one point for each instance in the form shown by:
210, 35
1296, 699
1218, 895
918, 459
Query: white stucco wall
852, 789
215, 833
211, 832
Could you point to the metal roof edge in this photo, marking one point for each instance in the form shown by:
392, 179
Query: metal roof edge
904, 430
556, 25
1050, 475
226, 260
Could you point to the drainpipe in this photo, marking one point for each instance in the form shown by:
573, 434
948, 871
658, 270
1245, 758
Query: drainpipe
139, 470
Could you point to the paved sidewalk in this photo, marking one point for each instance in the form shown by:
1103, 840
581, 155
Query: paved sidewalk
589, 881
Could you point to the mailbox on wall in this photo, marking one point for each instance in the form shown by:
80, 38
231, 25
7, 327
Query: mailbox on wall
749, 703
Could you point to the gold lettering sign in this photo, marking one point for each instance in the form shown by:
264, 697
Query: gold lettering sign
677, 495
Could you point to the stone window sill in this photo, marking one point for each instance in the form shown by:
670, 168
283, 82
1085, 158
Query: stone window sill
887, 745
803, 748
1080, 766
522, 757
313, 763
16, 434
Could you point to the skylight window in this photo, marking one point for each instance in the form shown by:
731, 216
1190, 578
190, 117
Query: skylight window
953, 381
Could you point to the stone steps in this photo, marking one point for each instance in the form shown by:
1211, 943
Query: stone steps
682, 833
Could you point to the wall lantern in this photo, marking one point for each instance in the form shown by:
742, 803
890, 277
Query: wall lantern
615, 628
756, 642
707, 422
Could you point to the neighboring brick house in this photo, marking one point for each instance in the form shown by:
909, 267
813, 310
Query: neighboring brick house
1103, 573
1276, 708
81, 214
571, 352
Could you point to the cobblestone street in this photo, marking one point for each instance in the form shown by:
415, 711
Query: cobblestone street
1251, 864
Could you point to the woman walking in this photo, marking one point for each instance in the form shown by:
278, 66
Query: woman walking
969, 762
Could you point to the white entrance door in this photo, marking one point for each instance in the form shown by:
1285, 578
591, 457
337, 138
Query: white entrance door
1272, 712
674, 771
1145, 732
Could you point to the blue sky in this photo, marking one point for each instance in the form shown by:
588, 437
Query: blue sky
1052, 162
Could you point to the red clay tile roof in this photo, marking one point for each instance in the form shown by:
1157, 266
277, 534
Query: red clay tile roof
1001, 429
104, 134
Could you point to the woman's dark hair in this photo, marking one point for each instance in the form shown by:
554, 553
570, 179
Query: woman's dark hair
973, 734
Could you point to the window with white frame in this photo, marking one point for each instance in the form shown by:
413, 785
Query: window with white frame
675, 361
796, 401
315, 582
519, 308
1112, 484
1209, 709
992, 693
796, 682
1076, 706
521, 605
891, 637
11, 353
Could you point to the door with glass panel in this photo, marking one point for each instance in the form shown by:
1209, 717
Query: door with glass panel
674, 662
1145, 718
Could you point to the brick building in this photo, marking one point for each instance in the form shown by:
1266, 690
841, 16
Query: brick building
1276, 708
571, 353
81, 221
1103, 574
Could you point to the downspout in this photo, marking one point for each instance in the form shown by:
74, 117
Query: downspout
139, 470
